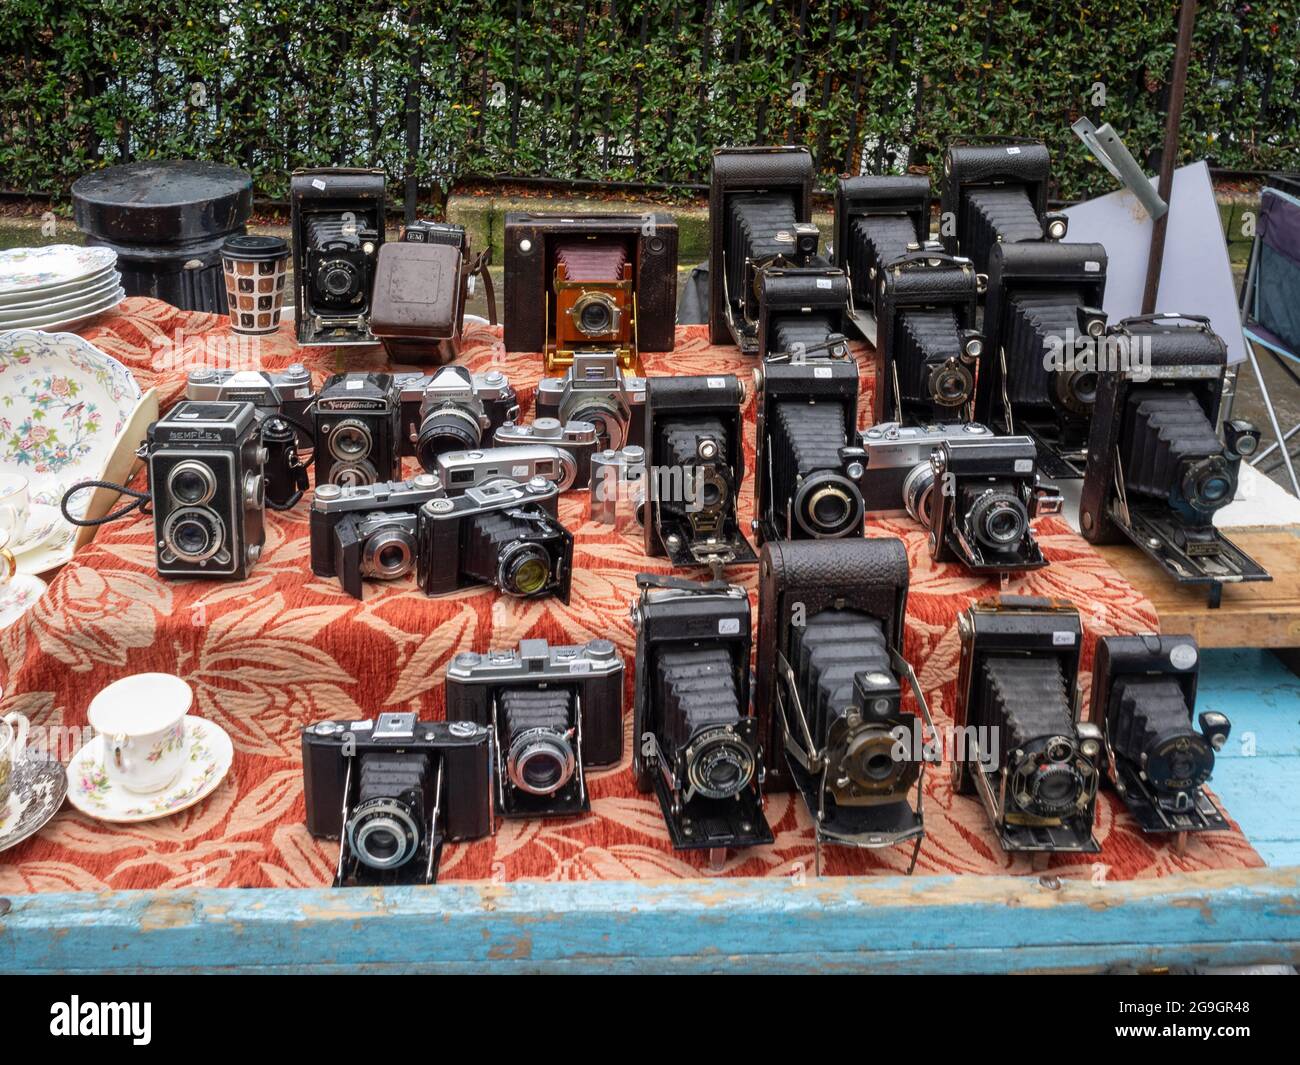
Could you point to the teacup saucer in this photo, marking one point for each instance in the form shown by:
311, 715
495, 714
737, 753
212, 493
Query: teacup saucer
91, 792
19, 596
35, 795
42, 523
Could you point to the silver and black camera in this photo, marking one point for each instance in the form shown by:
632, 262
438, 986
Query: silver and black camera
900, 476
462, 470
576, 441
206, 463
368, 531
452, 410
553, 712
595, 389
355, 417
501, 534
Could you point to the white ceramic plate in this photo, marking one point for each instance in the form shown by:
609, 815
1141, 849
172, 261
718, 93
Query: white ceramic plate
63, 404
56, 551
86, 293
30, 269
91, 792
70, 316
34, 297
18, 596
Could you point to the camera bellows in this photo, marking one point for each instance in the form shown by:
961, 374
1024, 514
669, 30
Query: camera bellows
1035, 321
760, 226
874, 242
1151, 726
537, 726
1028, 696
592, 260
928, 340
697, 688
1164, 434
997, 216
388, 820
804, 332
679, 441
826, 655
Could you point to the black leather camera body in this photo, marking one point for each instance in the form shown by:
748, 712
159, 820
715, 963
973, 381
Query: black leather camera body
1044, 347
995, 192
1157, 470
392, 790
208, 489
695, 741
356, 421
831, 679
696, 462
802, 310
760, 214
1019, 744
878, 220
1143, 696
553, 712
337, 221
988, 493
810, 465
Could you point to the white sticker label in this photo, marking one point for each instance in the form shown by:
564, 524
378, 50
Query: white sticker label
1091, 266
581, 666
519, 471
728, 626
1063, 639
1183, 656
823, 371
717, 382
361, 726
823, 282
318, 184
1024, 465
355, 383
1013, 151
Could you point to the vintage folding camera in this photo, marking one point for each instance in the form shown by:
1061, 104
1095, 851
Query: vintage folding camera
1157, 470
603, 282
929, 347
696, 743
502, 534
595, 389
553, 712
1020, 745
760, 215
810, 467
802, 311
392, 790
356, 418
452, 409
367, 531
830, 688
696, 463
207, 489
995, 192
900, 475
989, 493
1143, 695
337, 218
1044, 337
421, 285
575, 440
878, 219
462, 470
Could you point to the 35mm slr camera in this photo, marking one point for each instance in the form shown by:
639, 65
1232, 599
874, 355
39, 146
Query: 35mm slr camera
392, 790
452, 409
553, 713
595, 389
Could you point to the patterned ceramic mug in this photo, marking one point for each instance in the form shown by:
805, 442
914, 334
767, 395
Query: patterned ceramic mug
142, 721
13, 741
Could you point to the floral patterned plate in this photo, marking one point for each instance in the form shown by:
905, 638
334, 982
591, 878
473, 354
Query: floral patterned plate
42, 521
63, 404
32, 269
94, 290
18, 596
91, 792
56, 550
37, 793
69, 317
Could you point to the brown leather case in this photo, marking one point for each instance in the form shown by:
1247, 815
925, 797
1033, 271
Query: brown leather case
419, 301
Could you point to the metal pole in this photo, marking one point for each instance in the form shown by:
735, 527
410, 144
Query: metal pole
1182, 57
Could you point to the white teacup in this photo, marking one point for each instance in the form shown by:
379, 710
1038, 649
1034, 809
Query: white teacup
15, 506
142, 721
13, 741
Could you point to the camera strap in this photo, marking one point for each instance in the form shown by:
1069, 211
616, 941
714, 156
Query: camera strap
478, 267
140, 502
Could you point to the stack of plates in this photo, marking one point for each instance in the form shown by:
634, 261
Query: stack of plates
57, 287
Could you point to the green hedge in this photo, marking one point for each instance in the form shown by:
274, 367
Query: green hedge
634, 91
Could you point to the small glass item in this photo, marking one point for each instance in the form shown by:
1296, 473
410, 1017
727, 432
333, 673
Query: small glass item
255, 268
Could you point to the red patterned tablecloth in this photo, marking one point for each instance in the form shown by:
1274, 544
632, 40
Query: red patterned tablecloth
283, 648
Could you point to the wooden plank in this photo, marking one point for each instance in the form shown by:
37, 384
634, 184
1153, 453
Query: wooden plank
895, 924
1259, 614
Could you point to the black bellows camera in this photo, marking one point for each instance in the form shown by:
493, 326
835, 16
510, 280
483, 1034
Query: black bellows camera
1143, 695
802, 311
695, 741
553, 712
1157, 469
1044, 332
356, 418
208, 489
337, 218
696, 462
501, 534
810, 466
830, 687
1020, 746
878, 220
995, 192
392, 791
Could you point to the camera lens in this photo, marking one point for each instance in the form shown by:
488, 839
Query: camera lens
193, 533
595, 315
540, 762
951, 384
337, 281
718, 765
350, 440
1208, 484
192, 483
388, 554
353, 473
917, 488
383, 833
828, 505
999, 520
1054, 788
525, 570
448, 428
603, 413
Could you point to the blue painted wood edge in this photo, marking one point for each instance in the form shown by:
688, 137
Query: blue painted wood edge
899, 924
